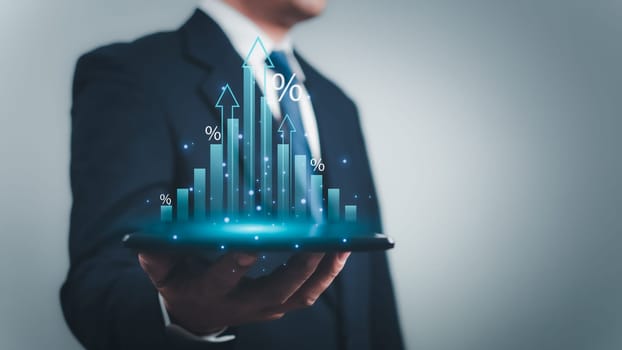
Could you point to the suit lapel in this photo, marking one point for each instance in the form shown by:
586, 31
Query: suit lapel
207, 45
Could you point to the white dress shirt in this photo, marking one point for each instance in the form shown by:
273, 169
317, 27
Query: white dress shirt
242, 33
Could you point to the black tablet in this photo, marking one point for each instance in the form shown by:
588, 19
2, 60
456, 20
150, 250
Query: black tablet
255, 237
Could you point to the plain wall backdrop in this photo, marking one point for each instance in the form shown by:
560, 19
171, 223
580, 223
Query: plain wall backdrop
494, 130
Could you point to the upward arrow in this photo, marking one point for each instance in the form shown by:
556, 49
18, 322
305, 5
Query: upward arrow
226, 98
286, 123
258, 48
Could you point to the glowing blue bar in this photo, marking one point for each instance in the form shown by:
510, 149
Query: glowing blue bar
350, 213
182, 204
333, 204
315, 198
300, 188
233, 157
249, 137
283, 179
166, 213
266, 156
216, 180
199, 194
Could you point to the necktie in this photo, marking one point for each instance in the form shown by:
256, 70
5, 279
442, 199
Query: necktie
294, 134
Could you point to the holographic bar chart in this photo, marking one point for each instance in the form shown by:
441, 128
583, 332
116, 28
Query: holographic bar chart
240, 182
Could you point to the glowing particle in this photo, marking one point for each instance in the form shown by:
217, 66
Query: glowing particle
174, 236
256, 238
344, 240
227, 219
258, 208
303, 201
185, 146
344, 161
296, 246
251, 192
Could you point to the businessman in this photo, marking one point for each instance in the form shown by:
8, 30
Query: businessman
136, 107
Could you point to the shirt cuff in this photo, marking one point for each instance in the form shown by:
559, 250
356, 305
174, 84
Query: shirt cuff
210, 338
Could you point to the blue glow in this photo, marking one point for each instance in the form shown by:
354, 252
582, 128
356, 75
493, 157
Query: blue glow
174, 236
185, 146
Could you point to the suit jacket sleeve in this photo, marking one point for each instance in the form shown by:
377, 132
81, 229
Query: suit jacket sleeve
122, 157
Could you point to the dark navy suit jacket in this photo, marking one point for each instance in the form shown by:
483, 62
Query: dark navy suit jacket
134, 106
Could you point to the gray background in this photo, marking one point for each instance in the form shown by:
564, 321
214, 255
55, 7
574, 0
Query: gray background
494, 133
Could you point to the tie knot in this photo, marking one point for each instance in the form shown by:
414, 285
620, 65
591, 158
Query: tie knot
281, 63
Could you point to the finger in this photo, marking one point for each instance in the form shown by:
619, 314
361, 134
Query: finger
225, 273
158, 266
310, 291
277, 287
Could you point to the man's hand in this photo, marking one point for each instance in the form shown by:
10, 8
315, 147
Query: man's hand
205, 298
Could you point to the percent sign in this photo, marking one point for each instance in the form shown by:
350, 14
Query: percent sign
295, 90
317, 164
165, 199
212, 133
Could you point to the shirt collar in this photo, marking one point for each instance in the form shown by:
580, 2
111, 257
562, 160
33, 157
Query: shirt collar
242, 32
